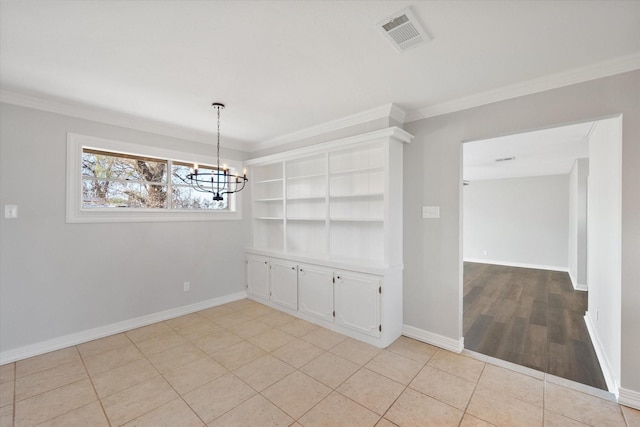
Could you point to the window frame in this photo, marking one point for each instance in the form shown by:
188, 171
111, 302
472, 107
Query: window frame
75, 213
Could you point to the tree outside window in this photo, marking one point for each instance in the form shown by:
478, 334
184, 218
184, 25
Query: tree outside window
116, 180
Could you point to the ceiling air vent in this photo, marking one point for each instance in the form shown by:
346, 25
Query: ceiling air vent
403, 30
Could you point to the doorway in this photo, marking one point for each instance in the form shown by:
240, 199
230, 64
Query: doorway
526, 207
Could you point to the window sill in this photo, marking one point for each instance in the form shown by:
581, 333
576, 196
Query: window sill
109, 215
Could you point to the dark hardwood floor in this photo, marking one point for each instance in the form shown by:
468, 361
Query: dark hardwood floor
530, 317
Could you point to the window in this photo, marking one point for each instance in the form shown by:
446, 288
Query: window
111, 181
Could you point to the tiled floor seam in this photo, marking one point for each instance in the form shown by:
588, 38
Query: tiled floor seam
93, 385
544, 410
475, 387
179, 397
282, 379
544, 397
407, 386
15, 404
359, 404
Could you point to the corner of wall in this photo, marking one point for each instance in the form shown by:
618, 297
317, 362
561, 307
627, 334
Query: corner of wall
629, 398
441, 341
613, 384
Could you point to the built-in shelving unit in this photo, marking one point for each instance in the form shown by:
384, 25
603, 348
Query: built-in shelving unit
268, 206
332, 200
327, 223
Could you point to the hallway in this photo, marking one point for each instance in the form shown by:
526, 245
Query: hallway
530, 317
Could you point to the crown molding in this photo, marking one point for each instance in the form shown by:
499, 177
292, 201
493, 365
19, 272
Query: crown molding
88, 112
394, 132
385, 111
608, 68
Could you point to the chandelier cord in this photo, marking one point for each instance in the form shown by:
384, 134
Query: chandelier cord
218, 153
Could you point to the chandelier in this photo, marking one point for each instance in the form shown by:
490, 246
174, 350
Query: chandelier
220, 180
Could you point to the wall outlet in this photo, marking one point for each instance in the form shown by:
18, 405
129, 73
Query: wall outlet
431, 212
187, 286
11, 211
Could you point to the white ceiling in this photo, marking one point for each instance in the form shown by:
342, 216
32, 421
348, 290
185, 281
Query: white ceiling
543, 152
284, 66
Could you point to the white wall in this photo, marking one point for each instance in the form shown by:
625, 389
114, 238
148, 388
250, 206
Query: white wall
517, 221
432, 177
58, 279
604, 228
577, 255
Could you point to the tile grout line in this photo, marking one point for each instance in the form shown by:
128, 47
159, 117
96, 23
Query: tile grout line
15, 382
15, 401
93, 385
475, 387
409, 383
331, 388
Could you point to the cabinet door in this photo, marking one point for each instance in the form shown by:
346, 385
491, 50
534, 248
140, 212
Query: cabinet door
357, 302
283, 280
258, 276
315, 291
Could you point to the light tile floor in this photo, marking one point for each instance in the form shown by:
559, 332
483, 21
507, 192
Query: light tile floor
245, 364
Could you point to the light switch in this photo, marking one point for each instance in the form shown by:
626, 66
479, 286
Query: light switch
431, 212
11, 211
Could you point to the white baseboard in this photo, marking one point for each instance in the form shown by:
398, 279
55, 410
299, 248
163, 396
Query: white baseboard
610, 379
434, 339
576, 286
517, 264
31, 350
629, 398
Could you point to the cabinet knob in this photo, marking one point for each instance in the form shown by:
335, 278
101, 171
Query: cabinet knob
338, 277
293, 268
265, 262
300, 270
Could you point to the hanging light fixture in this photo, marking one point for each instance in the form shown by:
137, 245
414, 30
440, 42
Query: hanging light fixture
220, 180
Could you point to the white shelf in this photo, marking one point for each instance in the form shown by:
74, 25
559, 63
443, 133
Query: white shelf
357, 171
357, 219
301, 198
270, 218
266, 181
356, 195
305, 219
310, 176
271, 199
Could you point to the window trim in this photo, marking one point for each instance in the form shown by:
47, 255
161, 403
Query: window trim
75, 213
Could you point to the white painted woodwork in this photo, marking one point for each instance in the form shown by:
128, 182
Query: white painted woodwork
344, 300
258, 276
336, 200
283, 283
357, 302
335, 210
315, 291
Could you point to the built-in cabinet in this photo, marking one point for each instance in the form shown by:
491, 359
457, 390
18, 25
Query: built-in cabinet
258, 276
283, 283
315, 291
357, 302
329, 219
346, 301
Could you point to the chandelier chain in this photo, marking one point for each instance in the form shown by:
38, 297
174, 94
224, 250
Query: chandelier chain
218, 150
